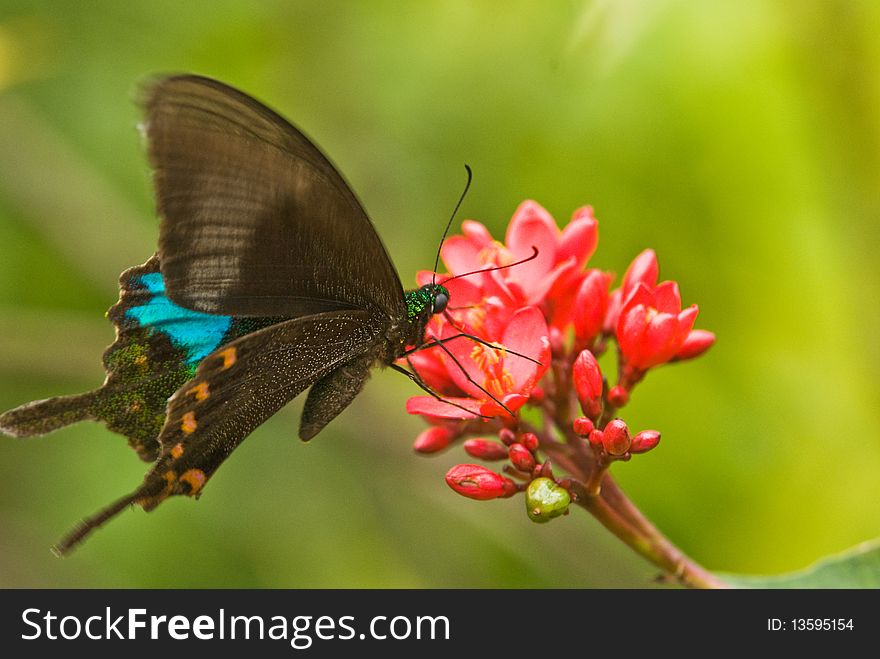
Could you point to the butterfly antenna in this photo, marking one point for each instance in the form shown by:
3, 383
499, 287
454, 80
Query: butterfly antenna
494, 267
467, 185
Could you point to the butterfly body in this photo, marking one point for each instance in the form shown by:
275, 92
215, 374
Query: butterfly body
269, 280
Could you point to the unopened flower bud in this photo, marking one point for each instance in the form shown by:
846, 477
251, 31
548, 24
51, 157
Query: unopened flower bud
433, 439
521, 458
596, 437
645, 441
618, 396
530, 441
615, 437
546, 500
485, 449
507, 436
588, 383
583, 426
477, 482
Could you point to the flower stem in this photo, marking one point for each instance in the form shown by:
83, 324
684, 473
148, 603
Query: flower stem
616, 512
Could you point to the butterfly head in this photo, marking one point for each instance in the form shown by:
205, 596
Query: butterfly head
424, 302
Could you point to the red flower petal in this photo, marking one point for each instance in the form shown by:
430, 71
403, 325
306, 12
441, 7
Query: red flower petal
686, 319
477, 233
644, 269
630, 330
579, 237
696, 343
590, 306
432, 407
460, 255
526, 334
531, 226
658, 344
667, 297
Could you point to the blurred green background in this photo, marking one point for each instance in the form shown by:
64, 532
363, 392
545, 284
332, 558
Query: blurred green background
739, 139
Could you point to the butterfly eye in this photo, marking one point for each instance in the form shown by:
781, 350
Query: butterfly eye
440, 302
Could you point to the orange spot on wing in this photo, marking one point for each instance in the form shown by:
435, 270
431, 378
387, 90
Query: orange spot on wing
229, 356
188, 423
195, 478
200, 390
177, 451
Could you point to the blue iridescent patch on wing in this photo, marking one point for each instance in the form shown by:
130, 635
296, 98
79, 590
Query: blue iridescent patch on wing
198, 334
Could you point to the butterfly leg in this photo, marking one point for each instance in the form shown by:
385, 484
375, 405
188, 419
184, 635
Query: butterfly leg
467, 375
413, 375
475, 339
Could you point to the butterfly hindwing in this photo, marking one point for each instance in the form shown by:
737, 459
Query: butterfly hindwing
157, 349
255, 219
238, 387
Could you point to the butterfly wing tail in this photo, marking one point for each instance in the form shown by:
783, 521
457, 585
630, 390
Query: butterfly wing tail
150, 489
44, 416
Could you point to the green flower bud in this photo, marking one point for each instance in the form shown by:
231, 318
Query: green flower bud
546, 500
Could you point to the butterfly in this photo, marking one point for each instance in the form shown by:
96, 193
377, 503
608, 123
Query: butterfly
269, 279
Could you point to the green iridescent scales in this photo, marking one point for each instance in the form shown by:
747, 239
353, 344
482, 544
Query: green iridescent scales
420, 299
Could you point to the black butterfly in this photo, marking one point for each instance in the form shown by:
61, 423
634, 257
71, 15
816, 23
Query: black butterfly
269, 279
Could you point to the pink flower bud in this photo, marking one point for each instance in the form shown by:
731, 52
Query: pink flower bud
590, 306
618, 396
696, 343
530, 441
596, 437
588, 383
433, 439
615, 437
645, 441
485, 449
507, 436
521, 458
583, 426
476, 482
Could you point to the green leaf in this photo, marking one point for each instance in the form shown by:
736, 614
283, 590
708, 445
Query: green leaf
858, 567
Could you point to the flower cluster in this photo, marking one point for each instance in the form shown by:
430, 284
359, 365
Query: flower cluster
522, 382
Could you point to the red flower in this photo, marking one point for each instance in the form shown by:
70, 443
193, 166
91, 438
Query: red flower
477, 369
560, 253
644, 269
652, 327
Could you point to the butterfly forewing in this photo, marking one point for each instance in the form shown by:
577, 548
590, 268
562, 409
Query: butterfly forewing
255, 219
